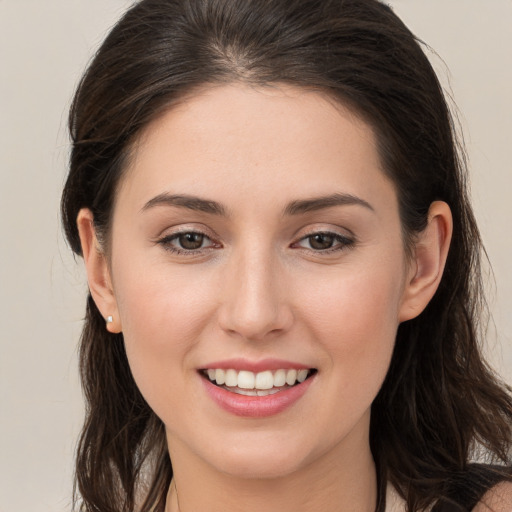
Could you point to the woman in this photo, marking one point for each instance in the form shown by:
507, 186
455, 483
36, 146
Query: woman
283, 267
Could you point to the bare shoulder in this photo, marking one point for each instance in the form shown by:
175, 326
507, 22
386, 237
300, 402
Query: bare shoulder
497, 499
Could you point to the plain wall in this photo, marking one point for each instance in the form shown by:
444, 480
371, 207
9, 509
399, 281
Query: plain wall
44, 46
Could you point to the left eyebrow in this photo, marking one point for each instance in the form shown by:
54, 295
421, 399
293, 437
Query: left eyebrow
320, 203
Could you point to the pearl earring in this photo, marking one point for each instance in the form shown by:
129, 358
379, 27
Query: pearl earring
110, 319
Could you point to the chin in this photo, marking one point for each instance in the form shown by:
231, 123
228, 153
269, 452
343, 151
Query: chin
261, 466
264, 456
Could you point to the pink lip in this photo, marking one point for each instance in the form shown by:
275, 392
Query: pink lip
256, 406
255, 366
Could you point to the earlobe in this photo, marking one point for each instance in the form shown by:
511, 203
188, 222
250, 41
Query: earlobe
429, 259
98, 272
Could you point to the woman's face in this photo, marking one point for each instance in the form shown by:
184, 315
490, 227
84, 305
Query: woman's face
256, 232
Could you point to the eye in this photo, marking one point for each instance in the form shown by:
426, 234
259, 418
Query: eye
324, 241
186, 242
190, 241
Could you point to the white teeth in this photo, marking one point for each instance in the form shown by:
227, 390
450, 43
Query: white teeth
253, 392
263, 381
231, 378
265, 392
301, 375
246, 392
246, 380
291, 377
280, 378
220, 377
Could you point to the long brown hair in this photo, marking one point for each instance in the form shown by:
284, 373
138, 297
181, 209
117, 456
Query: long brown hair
440, 401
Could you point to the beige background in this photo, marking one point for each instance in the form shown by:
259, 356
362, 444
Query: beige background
44, 45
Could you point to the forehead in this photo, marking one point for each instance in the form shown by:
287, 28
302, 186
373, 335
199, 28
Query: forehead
257, 141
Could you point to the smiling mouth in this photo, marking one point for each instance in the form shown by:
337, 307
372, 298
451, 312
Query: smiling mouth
263, 383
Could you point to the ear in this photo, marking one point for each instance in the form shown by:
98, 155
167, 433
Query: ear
98, 272
429, 258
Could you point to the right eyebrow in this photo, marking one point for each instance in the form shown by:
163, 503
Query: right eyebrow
185, 201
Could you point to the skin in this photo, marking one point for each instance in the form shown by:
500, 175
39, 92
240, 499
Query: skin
258, 288
498, 499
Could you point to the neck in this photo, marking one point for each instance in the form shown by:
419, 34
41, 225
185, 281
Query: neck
343, 479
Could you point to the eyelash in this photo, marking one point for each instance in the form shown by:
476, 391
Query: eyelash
167, 241
340, 242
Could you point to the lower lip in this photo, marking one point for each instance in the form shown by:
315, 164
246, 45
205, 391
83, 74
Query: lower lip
256, 406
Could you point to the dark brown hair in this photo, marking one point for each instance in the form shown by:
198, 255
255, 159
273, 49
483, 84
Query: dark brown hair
440, 402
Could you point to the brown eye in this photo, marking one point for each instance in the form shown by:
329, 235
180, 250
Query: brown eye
187, 242
190, 241
325, 241
321, 241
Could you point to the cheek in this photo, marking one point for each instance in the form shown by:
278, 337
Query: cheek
162, 315
357, 301
161, 306
355, 318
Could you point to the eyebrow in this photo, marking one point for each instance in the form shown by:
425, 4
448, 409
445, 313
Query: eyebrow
319, 203
297, 207
185, 201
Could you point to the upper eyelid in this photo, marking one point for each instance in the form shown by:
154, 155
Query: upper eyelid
170, 231
339, 231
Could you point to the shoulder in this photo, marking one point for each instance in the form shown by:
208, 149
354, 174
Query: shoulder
496, 499
479, 488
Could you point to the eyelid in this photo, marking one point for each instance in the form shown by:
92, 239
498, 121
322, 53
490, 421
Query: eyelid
165, 240
185, 227
327, 228
345, 241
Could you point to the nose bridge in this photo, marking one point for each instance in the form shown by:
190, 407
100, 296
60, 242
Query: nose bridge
255, 302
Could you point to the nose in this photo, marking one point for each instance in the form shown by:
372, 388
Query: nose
255, 303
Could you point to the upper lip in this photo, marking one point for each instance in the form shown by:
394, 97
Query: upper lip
240, 364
